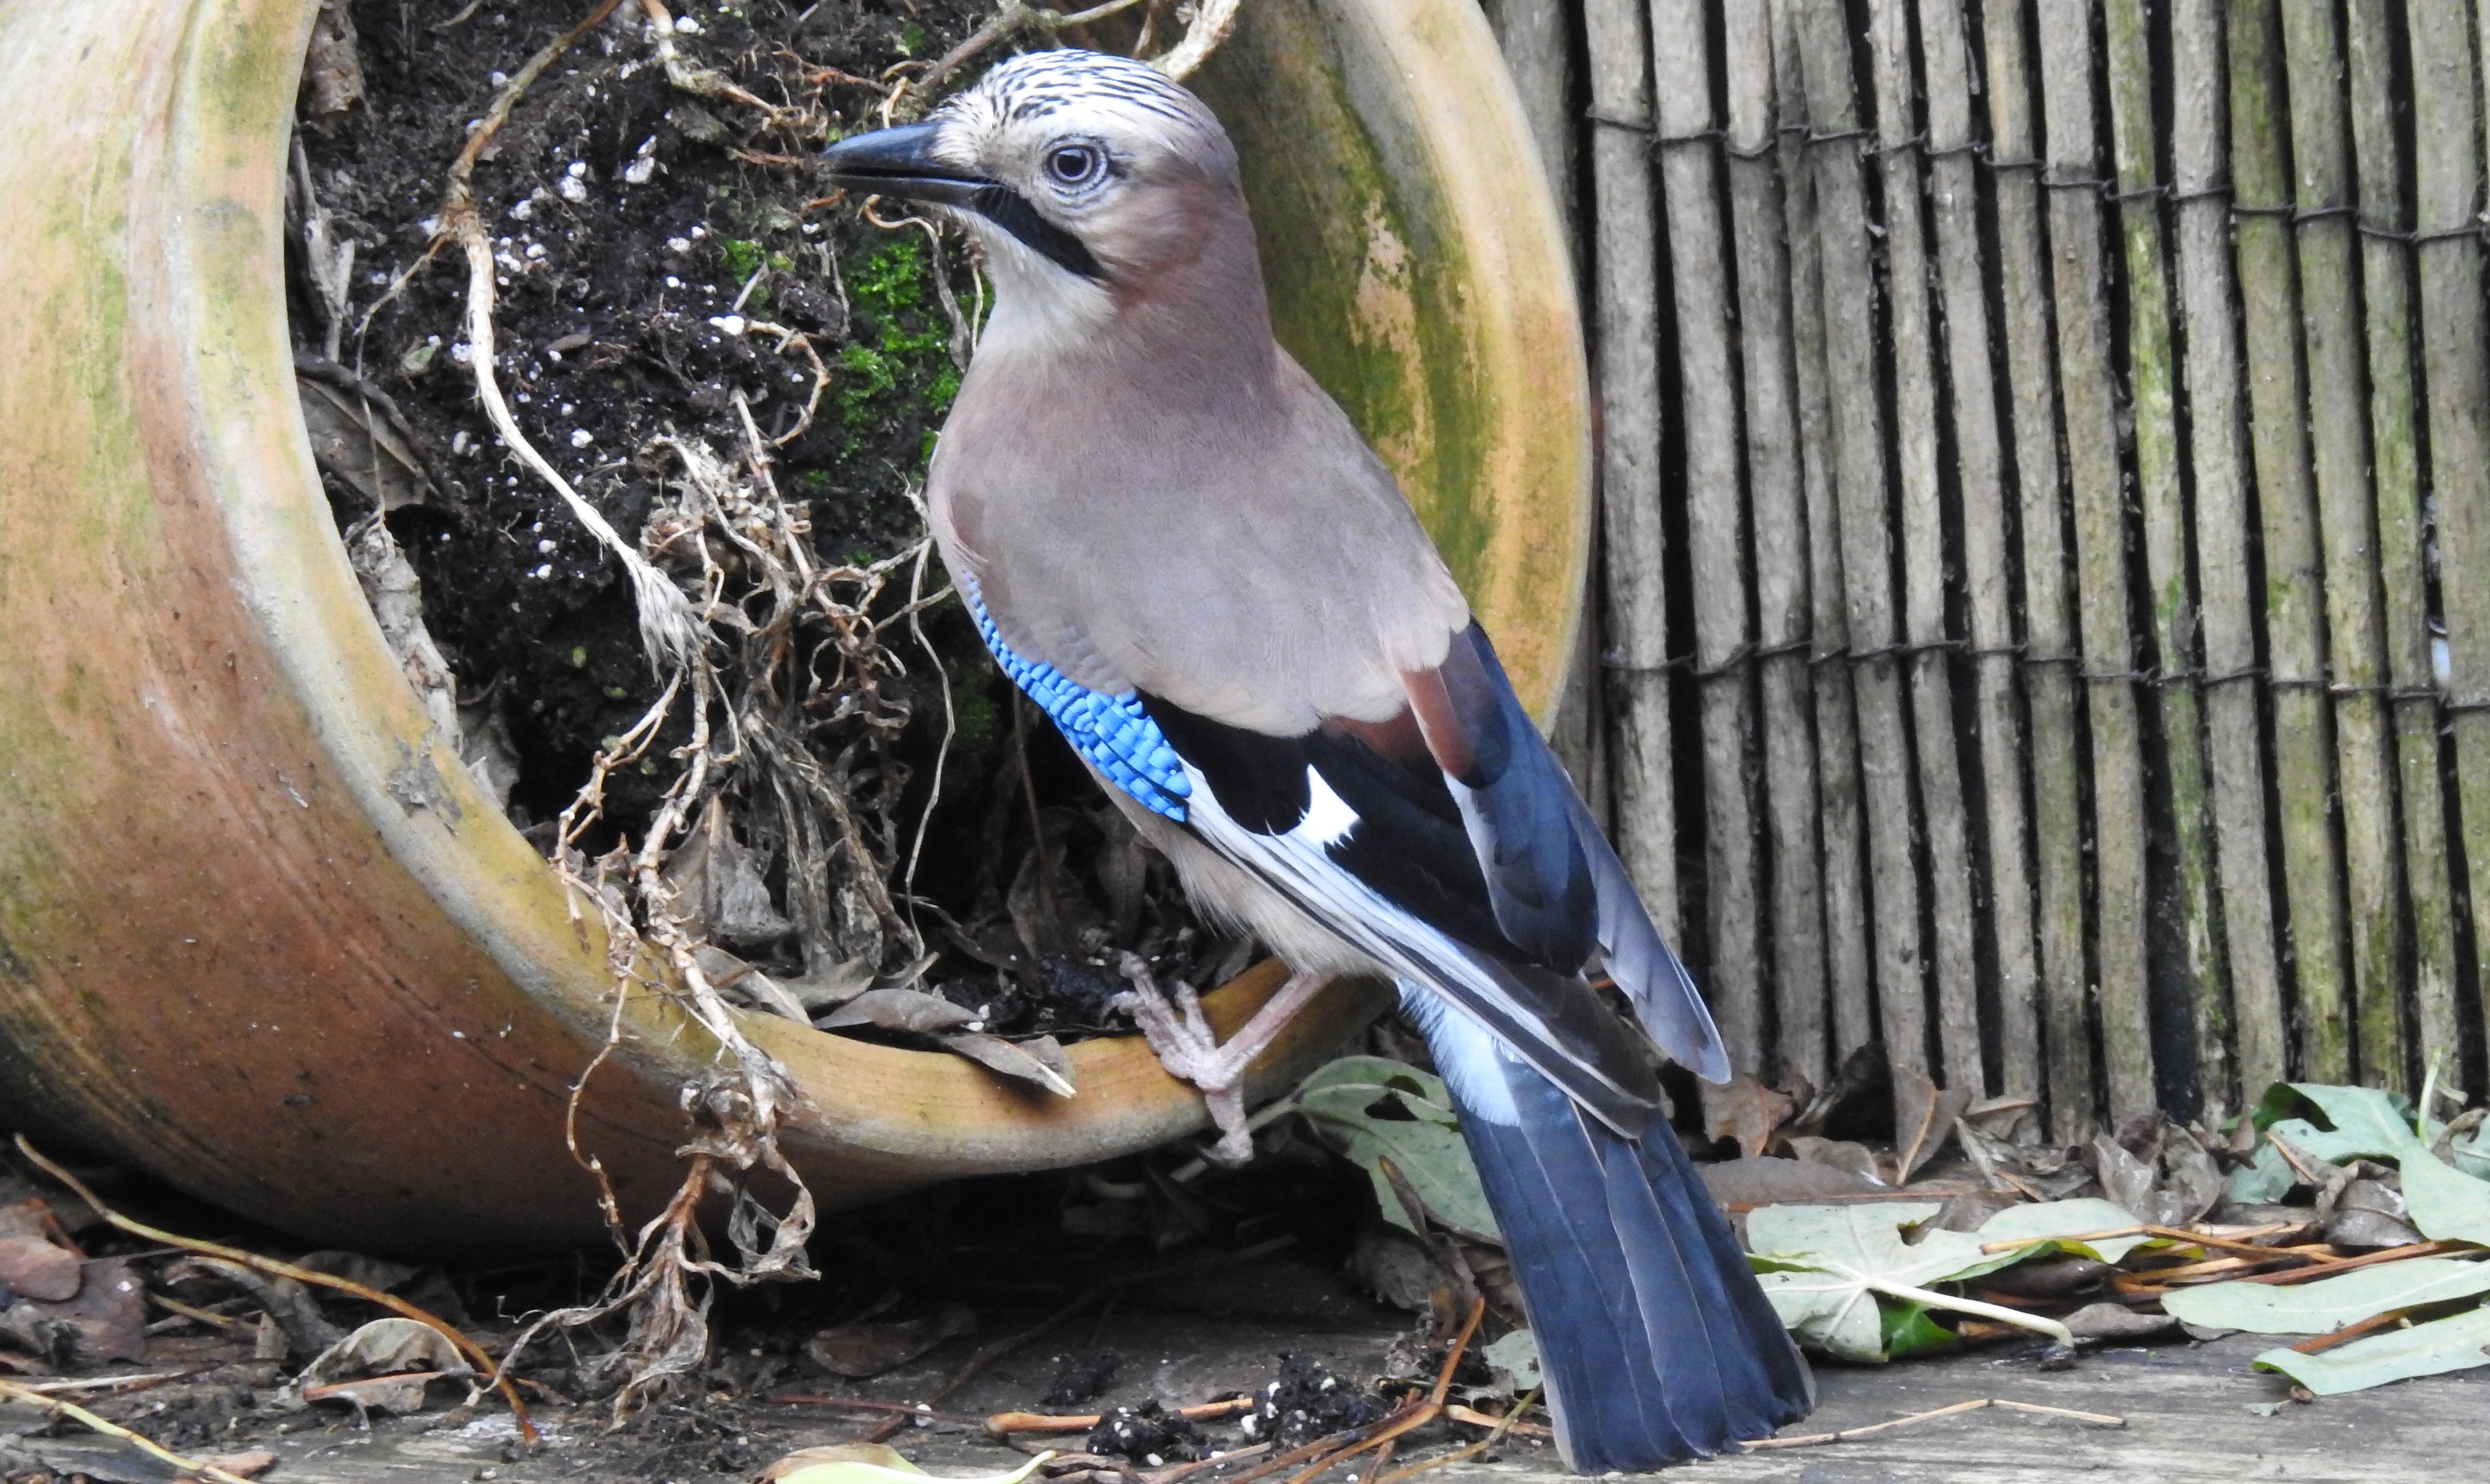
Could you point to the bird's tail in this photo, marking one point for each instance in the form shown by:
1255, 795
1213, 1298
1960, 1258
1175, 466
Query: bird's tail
1656, 1343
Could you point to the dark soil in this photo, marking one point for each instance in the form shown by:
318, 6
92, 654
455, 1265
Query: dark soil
640, 233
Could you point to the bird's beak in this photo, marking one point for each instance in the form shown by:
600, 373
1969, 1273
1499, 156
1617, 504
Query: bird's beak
901, 163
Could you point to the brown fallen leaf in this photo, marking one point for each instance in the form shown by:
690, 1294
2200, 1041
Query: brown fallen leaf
1746, 1110
242, 1465
106, 1320
1836, 1154
1013, 1060
859, 1350
1923, 1119
383, 1366
397, 1395
1763, 1181
35, 1268
2106, 1321
899, 1009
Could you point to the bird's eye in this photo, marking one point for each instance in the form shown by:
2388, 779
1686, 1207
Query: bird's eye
1074, 164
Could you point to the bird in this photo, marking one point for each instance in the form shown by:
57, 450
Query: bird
1183, 552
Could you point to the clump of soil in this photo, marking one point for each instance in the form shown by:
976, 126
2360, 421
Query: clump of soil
671, 271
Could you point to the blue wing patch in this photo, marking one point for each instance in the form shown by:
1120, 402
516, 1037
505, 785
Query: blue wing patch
1112, 731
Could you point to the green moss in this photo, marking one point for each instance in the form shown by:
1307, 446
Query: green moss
901, 367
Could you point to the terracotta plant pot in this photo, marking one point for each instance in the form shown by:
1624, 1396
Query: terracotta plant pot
259, 934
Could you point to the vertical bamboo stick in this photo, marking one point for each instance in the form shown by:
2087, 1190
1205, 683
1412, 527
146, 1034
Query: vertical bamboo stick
1848, 969
2447, 124
1913, 344
1626, 283
2385, 284
1716, 528
1945, 56
2218, 456
1776, 500
1848, 309
2338, 421
2049, 628
2153, 388
2294, 568
2090, 402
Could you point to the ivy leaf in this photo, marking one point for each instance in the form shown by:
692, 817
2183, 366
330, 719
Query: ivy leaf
2444, 1204
2329, 1303
1825, 1269
1371, 1108
2451, 1344
2057, 1223
2350, 1123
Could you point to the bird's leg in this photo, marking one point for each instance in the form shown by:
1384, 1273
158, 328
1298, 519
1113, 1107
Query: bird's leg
1189, 1050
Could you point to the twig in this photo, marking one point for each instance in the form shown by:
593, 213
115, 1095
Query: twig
2390, 1255
2237, 1240
466, 1347
1850, 1434
138, 1382
1408, 1418
1477, 1418
1002, 1423
914, 1411
2292, 1157
87, 1419
2316, 1343
202, 1316
1511, 1421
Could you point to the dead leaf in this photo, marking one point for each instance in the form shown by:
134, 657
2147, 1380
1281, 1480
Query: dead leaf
899, 1009
1857, 1085
717, 886
332, 72
2158, 1170
2117, 1321
286, 1301
2043, 1172
354, 443
1923, 1119
1838, 1154
395, 1395
1763, 1181
859, 1350
2052, 1277
2365, 1209
997, 1054
384, 1366
242, 1465
33, 1268
105, 1320
1746, 1110
743, 985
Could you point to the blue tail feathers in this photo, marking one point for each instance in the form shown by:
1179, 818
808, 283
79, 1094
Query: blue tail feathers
1657, 1343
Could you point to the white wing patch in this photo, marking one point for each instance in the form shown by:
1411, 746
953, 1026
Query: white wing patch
1297, 865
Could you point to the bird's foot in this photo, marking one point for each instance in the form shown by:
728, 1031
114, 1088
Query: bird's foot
1188, 1048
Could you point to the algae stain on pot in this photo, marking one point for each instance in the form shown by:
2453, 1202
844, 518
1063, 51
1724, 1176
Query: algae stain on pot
1364, 280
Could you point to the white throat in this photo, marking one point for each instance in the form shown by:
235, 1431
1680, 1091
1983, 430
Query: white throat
1041, 308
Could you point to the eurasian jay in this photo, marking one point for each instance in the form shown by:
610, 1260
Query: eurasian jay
1176, 543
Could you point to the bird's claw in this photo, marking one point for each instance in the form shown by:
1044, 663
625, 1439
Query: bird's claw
1190, 1050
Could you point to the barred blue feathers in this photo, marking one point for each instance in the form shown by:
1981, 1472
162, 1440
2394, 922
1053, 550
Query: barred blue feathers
1113, 732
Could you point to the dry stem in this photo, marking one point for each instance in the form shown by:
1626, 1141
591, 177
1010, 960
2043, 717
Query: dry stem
473, 1351
87, 1419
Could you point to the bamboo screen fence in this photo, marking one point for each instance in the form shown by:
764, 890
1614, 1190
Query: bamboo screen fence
2047, 479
